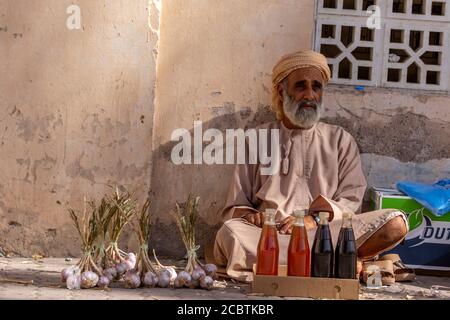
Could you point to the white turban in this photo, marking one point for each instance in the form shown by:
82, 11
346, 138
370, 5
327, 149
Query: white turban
292, 62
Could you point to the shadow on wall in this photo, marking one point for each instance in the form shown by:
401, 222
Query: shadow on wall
406, 137
172, 183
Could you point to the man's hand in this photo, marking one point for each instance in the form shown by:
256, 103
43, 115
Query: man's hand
310, 222
252, 216
255, 218
287, 224
284, 227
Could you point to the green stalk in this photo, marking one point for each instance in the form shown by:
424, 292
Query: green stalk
89, 231
186, 220
142, 231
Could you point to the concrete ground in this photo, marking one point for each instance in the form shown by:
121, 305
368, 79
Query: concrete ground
39, 279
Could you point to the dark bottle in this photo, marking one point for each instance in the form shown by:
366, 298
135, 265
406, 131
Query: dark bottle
268, 249
346, 253
322, 253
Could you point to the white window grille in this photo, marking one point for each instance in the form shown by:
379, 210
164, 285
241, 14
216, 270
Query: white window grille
411, 49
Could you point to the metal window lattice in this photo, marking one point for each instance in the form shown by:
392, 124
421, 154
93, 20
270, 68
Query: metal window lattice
410, 49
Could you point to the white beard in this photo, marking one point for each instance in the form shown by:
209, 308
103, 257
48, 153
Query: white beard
302, 117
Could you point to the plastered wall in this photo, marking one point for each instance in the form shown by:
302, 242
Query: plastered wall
76, 111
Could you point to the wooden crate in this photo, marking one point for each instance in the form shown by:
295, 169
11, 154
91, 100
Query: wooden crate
284, 286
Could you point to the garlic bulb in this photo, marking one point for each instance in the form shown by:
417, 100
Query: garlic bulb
103, 282
173, 274
193, 284
89, 279
121, 268
150, 279
130, 261
183, 278
132, 280
65, 273
73, 282
207, 283
210, 270
198, 273
163, 280
110, 273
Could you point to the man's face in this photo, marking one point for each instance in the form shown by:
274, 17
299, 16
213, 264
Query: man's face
301, 94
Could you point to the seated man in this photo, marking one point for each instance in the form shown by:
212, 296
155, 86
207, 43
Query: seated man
320, 171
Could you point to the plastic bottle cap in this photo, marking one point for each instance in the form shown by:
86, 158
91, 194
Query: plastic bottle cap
324, 215
347, 215
300, 213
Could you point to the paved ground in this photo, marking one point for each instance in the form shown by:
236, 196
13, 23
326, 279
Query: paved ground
22, 278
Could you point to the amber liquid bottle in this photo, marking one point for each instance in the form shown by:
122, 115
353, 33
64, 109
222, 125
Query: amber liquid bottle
268, 248
322, 255
346, 254
298, 252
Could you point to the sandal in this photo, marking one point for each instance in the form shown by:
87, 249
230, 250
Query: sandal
385, 268
401, 272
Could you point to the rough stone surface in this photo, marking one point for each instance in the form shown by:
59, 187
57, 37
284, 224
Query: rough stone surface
383, 171
400, 124
40, 280
403, 136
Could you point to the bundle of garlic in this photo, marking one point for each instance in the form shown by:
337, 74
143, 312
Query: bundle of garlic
121, 208
166, 274
85, 274
146, 273
196, 274
104, 220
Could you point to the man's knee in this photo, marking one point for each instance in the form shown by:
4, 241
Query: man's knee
232, 227
389, 234
402, 224
224, 238
395, 229
229, 231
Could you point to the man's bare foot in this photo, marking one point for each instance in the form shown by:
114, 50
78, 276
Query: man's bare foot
359, 268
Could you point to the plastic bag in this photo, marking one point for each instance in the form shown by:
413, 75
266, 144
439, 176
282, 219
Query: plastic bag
435, 197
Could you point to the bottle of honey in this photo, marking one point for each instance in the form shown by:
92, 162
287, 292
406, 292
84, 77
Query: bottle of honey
298, 251
268, 248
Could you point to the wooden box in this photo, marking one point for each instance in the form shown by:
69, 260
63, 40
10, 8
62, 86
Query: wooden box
284, 286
